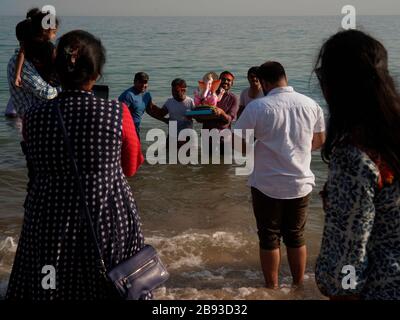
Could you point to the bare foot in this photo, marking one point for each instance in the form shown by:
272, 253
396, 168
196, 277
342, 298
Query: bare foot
297, 287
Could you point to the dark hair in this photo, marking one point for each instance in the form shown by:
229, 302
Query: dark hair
23, 31
41, 55
271, 71
364, 106
178, 82
225, 73
32, 12
80, 58
31, 29
39, 51
141, 76
252, 70
37, 28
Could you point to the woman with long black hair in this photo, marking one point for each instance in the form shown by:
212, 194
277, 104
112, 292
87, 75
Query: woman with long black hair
360, 250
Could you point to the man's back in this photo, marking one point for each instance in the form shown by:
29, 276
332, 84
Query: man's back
284, 123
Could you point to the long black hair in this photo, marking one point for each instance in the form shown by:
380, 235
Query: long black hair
364, 106
38, 32
31, 29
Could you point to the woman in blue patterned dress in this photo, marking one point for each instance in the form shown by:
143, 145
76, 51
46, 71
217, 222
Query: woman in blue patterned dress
360, 250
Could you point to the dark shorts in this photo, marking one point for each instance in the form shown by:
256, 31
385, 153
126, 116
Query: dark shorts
278, 218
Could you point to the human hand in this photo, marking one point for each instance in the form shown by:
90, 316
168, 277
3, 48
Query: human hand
18, 81
221, 94
218, 111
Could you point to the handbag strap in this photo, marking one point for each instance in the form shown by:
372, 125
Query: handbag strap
84, 206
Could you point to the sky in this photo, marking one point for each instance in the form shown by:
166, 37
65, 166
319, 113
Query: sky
202, 7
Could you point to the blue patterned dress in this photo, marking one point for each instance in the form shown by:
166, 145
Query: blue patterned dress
362, 229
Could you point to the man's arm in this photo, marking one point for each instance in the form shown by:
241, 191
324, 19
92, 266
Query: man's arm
223, 115
231, 114
319, 130
318, 140
156, 112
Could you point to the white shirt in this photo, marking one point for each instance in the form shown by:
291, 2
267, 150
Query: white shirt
177, 110
284, 122
245, 99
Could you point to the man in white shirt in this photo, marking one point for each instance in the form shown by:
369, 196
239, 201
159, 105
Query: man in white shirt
176, 108
287, 126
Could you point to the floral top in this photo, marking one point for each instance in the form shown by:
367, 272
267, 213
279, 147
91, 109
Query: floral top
34, 88
362, 228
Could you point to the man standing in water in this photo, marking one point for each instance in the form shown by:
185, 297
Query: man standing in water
228, 105
226, 111
137, 98
253, 92
175, 107
287, 126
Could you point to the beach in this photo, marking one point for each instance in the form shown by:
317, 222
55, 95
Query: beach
199, 217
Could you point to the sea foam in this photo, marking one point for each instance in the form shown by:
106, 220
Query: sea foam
8, 245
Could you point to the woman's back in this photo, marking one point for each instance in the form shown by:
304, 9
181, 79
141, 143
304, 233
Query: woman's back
362, 226
55, 231
94, 129
362, 198
384, 249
